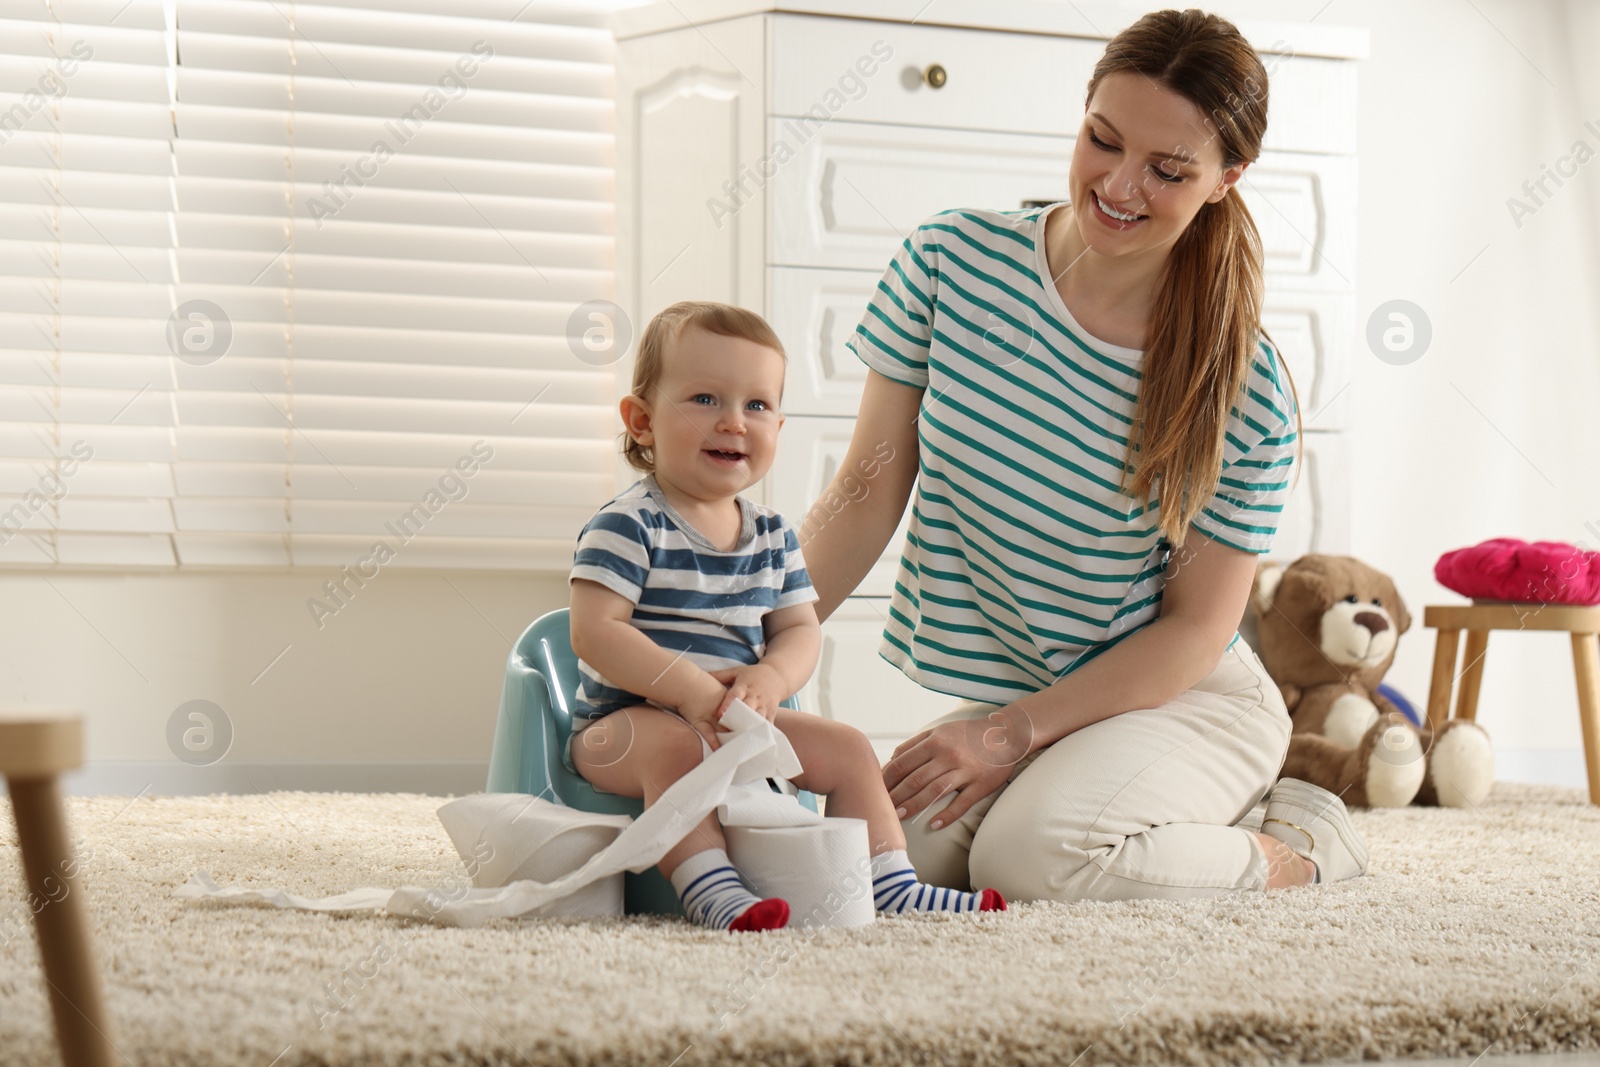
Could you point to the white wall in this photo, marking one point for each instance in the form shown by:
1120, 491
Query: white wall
1490, 434
395, 692
1496, 425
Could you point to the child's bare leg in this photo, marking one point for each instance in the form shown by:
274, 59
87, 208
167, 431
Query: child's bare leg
639, 752
841, 765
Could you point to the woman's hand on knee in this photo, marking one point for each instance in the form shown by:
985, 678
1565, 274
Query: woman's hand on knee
948, 757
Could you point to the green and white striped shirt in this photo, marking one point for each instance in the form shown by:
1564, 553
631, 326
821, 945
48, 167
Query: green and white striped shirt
1023, 561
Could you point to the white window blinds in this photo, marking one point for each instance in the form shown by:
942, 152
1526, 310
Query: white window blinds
328, 304
86, 267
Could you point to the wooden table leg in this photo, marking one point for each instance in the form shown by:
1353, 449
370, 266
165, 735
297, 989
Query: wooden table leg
62, 924
1444, 672
1586, 662
1472, 674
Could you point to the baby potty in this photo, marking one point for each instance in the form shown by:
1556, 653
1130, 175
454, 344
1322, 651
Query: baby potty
531, 734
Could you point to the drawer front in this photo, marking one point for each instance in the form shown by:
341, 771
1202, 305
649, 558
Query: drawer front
853, 192
1317, 517
868, 71
1314, 332
816, 312
865, 71
854, 685
1305, 207
810, 452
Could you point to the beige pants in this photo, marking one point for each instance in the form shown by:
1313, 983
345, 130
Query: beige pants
1143, 804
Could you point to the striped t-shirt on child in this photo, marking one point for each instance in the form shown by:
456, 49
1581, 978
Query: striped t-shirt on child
1022, 560
688, 595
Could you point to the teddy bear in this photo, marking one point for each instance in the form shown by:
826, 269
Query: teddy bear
1326, 627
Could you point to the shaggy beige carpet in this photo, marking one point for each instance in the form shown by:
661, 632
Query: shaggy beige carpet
1475, 929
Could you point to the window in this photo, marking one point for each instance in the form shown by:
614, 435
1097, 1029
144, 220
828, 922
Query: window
285, 281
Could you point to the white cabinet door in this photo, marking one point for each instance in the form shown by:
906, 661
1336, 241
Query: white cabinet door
854, 191
853, 684
815, 312
810, 452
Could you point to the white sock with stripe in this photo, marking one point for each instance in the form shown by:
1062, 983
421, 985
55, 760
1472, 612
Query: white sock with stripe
895, 889
714, 895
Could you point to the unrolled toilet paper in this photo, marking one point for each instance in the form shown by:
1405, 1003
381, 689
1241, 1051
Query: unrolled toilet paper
530, 858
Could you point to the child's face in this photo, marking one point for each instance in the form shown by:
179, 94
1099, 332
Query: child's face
713, 421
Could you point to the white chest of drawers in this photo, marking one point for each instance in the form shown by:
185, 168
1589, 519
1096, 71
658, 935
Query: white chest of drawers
774, 155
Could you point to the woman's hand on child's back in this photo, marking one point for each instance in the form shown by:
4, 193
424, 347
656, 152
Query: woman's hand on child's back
758, 685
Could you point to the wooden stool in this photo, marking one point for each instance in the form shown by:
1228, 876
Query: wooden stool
1481, 616
35, 746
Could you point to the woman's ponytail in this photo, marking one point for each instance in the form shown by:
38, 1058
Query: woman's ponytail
1205, 323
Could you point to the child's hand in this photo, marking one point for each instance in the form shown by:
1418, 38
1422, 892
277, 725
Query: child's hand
758, 685
702, 710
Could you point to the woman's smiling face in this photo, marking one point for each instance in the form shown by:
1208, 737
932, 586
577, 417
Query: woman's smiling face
1143, 151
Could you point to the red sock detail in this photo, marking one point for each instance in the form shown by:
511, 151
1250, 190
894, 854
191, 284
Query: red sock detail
769, 914
991, 900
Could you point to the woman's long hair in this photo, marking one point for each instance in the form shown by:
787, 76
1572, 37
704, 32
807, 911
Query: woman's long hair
1207, 315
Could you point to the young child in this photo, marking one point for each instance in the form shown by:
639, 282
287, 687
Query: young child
686, 596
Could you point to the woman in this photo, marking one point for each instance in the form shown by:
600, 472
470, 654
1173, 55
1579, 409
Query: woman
1115, 729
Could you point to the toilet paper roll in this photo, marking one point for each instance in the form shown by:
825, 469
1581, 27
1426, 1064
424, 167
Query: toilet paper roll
521, 850
824, 872
501, 842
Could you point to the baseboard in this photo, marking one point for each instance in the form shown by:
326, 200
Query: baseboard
1543, 766
171, 778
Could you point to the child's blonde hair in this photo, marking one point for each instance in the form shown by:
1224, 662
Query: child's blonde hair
664, 329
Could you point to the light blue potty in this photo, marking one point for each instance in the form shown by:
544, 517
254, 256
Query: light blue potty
531, 733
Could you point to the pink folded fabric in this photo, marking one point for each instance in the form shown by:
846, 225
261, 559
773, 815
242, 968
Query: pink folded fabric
1505, 568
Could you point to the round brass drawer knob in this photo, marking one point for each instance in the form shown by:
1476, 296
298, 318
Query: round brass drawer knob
935, 76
